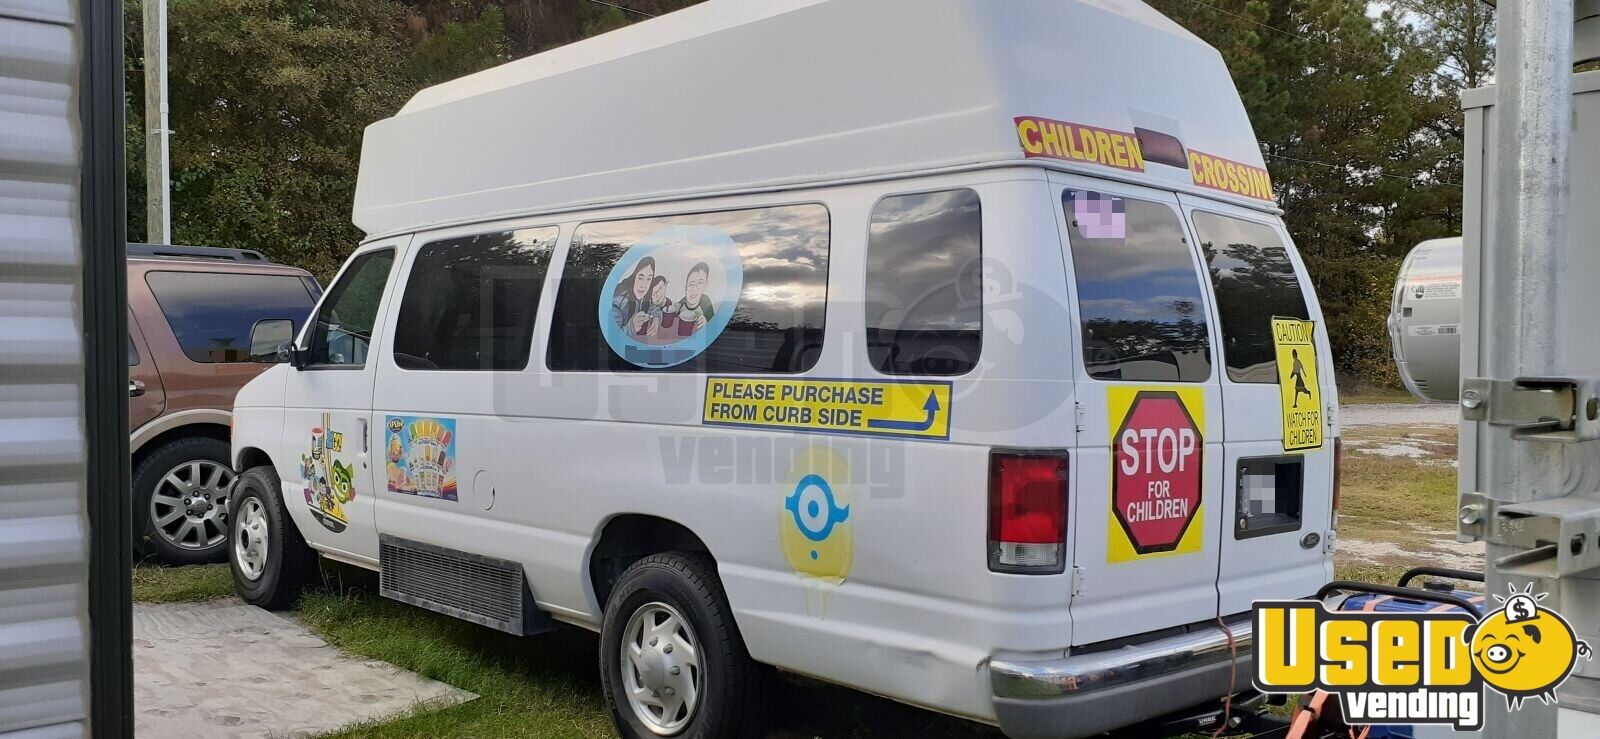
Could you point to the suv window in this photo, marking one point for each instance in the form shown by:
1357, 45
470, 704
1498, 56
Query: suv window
1255, 282
734, 291
1139, 297
344, 325
924, 284
211, 313
470, 302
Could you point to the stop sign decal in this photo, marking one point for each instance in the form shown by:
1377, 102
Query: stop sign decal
1157, 456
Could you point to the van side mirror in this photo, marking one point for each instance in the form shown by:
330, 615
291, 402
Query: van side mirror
272, 341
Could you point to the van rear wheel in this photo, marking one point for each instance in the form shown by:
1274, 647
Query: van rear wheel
271, 563
671, 658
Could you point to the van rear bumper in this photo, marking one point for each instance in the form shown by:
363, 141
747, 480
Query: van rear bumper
1087, 694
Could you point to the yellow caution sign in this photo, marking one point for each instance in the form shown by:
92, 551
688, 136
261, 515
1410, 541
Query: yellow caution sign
1295, 341
914, 409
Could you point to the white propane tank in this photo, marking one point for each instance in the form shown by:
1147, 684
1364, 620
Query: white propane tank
1425, 320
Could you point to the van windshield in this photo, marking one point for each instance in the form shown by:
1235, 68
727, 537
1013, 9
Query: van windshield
1255, 282
1138, 290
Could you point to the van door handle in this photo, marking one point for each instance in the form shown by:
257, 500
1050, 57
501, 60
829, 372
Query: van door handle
135, 388
365, 447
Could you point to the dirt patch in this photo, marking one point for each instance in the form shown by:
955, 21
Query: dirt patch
1431, 445
1428, 546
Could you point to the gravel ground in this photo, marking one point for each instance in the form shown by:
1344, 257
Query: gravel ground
1400, 414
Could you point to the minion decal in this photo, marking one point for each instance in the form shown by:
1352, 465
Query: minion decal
1523, 650
815, 526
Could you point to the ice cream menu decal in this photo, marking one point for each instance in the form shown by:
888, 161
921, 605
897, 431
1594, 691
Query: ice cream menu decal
421, 456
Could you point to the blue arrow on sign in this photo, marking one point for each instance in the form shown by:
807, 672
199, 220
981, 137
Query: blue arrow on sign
932, 407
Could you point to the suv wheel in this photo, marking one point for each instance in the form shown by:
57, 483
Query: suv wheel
271, 563
180, 495
671, 658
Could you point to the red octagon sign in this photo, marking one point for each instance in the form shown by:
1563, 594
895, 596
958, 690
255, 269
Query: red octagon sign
1156, 468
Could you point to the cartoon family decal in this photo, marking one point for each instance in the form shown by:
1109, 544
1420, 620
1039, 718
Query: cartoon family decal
670, 295
815, 528
329, 483
420, 455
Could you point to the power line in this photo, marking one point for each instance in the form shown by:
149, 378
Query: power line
623, 8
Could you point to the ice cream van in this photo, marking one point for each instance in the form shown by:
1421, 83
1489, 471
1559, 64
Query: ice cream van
949, 350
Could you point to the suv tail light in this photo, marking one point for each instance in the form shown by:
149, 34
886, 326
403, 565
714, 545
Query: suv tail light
1027, 512
1338, 465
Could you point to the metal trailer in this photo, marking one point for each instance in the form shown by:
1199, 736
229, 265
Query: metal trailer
65, 665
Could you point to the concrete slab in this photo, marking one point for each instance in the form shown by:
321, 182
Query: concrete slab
226, 669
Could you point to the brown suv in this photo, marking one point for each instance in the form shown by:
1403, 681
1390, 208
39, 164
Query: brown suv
201, 323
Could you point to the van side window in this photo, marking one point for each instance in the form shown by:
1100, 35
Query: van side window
924, 284
1139, 297
212, 313
470, 302
735, 291
344, 325
1254, 282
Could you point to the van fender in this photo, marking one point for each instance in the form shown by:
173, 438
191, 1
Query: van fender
144, 434
624, 538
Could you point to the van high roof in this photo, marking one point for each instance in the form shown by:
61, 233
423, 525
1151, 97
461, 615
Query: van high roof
734, 95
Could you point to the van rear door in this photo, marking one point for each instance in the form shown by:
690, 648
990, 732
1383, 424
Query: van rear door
1149, 404
1276, 519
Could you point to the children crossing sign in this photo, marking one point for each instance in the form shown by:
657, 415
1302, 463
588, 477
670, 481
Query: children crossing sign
1294, 341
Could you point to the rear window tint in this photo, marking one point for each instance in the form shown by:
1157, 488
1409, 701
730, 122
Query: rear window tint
1254, 282
211, 313
733, 291
1139, 295
924, 286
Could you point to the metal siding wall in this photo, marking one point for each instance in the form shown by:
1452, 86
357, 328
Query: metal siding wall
44, 623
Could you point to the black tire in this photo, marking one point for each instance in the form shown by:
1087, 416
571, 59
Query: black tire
735, 689
289, 564
147, 476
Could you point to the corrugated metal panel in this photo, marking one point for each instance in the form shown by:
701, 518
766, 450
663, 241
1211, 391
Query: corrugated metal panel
43, 531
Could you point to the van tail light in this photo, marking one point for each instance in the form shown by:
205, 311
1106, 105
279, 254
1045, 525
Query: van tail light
1027, 512
1338, 469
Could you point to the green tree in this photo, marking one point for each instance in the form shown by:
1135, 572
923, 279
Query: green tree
1357, 117
268, 101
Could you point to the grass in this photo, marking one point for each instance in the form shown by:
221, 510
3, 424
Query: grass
153, 583
1407, 502
549, 685
1389, 498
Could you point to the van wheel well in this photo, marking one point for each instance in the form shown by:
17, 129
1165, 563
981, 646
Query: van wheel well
253, 457
630, 538
212, 430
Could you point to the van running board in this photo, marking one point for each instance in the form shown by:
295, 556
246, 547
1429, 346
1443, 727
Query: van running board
484, 590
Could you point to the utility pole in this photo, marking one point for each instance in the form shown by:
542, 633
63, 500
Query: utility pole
1528, 464
157, 167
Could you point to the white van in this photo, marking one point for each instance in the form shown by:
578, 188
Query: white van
927, 347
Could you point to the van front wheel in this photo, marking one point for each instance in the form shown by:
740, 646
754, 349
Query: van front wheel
271, 563
671, 657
